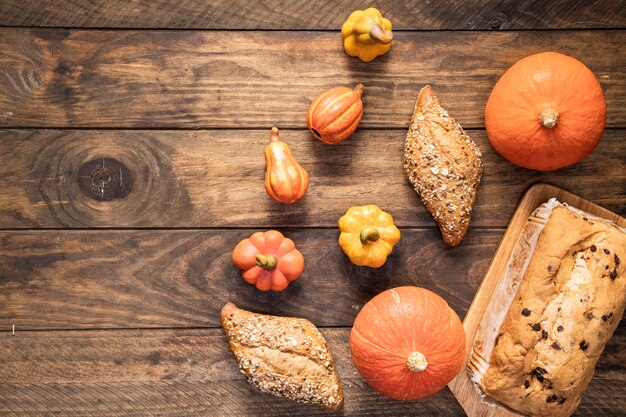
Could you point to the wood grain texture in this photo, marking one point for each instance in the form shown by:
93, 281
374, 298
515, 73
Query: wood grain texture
215, 178
325, 14
220, 399
234, 79
163, 278
191, 372
193, 369
462, 387
246, 79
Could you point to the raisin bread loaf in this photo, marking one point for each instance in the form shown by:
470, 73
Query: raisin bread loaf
567, 305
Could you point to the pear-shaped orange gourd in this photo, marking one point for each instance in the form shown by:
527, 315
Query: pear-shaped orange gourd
335, 114
285, 179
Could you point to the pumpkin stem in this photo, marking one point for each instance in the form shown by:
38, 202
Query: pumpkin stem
549, 118
416, 362
359, 89
274, 135
369, 234
380, 35
267, 262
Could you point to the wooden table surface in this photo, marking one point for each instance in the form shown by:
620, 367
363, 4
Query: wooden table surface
115, 296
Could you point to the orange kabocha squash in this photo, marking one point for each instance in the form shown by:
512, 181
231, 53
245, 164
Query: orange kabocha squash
407, 343
546, 112
335, 114
268, 260
285, 179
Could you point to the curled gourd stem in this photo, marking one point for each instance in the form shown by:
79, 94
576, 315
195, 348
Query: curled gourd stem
416, 362
274, 135
369, 234
359, 89
267, 262
549, 118
380, 35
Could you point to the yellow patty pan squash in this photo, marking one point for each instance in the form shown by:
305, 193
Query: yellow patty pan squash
366, 34
367, 235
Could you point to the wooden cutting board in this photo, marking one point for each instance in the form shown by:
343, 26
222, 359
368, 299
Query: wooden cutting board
462, 388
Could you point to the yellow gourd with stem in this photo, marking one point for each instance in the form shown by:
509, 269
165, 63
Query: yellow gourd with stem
368, 235
366, 34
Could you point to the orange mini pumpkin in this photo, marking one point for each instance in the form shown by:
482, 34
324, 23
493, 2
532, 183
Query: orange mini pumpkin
407, 343
546, 112
285, 179
268, 260
335, 114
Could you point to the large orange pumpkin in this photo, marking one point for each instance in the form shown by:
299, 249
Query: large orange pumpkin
546, 112
407, 343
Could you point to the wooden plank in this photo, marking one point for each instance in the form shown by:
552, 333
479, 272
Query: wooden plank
191, 372
294, 14
604, 398
170, 278
221, 398
215, 178
192, 355
481, 313
233, 79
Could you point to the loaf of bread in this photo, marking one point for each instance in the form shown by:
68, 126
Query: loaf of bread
565, 296
284, 356
443, 165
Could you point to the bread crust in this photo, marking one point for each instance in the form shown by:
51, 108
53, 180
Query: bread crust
569, 303
443, 165
283, 356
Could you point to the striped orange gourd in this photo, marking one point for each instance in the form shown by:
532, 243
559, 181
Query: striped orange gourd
335, 114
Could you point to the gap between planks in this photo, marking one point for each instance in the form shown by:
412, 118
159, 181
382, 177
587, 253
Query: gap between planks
217, 128
338, 30
16, 332
214, 228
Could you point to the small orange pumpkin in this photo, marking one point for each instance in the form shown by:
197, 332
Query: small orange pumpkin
268, 260
546, 112
407, 343
335, 114
285, 179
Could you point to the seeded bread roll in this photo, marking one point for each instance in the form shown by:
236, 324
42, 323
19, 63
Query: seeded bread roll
443, 165
569, 303
283, 356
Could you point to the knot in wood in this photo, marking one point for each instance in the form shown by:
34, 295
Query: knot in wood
104, 179
495, 23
